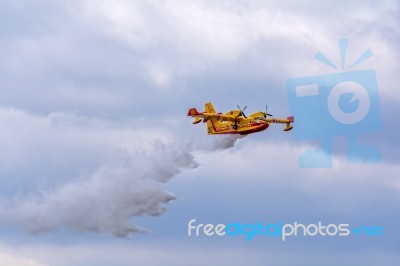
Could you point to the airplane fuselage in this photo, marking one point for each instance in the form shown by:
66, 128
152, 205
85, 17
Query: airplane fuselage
243, 128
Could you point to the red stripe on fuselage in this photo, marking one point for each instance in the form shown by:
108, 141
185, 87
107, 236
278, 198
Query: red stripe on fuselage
255, 129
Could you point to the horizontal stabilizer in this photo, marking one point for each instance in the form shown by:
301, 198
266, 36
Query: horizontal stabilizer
197, 120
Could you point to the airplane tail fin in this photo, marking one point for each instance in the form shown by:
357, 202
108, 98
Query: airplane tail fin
210, 108
211, 122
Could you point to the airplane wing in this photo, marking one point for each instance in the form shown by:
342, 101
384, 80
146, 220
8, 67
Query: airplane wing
206, 116
288, 121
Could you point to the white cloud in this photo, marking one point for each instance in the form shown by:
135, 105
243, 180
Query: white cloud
7, 259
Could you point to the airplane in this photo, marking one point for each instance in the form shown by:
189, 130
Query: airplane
235, 121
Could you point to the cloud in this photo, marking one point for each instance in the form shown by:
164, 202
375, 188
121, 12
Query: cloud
7, 258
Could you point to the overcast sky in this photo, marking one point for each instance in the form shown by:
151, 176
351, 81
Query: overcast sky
99, 164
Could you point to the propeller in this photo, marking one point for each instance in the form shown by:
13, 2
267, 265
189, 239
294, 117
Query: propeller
266, 112
241, 111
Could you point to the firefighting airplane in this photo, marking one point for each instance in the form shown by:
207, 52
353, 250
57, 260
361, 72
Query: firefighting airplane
235, 121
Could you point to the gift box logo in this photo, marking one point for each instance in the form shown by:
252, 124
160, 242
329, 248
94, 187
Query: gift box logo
345, 103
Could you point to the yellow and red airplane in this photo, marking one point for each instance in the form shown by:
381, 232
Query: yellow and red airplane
235, 121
